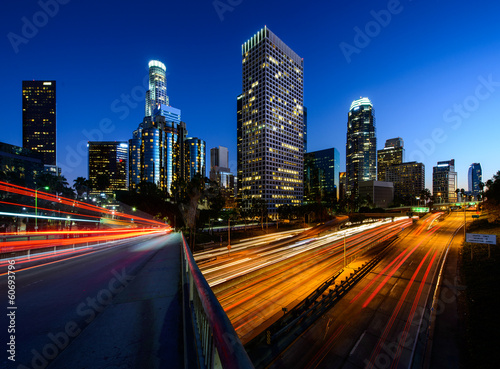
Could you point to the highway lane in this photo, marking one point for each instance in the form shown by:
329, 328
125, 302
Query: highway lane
254, 285
58, 301
376, 323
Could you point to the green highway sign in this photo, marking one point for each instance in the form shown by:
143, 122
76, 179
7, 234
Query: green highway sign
420, 209
475, 216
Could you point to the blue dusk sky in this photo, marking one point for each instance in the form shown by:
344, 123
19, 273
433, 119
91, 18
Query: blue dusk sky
430, 68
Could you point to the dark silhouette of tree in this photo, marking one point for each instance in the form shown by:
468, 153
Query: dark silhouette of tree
492, 198
81, 185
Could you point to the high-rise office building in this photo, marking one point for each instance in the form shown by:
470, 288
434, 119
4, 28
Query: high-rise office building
160, 141
39, 119
219, 157
271, 123
109, 159
475, 178
342, 185
377, 193
361, 146
157, 93
305, 129
444, 182
239, 147
157, 150
134, 158
221, 174
196, 157
391, 154
219, 168
19, 165
321, 173
408, 179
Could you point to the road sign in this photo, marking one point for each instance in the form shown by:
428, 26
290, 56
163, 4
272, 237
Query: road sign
475, 216
420, 209
490, 239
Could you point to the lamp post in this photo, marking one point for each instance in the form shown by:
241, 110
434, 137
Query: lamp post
344, 251
36, 205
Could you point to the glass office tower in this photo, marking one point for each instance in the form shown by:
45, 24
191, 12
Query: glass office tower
361, 146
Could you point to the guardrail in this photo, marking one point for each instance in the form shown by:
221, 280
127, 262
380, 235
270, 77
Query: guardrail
217, 344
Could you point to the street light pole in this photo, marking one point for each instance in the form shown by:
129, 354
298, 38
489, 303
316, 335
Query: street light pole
36, 206
36, 210
465, 221
344, 251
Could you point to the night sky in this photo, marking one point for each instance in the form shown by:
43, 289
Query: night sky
430, 68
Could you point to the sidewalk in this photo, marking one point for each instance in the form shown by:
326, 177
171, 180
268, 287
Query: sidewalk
142, 326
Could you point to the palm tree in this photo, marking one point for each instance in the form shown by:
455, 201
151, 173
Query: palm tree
81, 186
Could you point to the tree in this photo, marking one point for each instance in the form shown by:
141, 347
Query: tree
195, 191
425, 195
81, 185
492, 198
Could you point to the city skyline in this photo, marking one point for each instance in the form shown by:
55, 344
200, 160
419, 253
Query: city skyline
450, 87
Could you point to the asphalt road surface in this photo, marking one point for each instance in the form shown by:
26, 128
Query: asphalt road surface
105, 308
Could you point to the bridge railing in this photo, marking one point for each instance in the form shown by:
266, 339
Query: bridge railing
217, 344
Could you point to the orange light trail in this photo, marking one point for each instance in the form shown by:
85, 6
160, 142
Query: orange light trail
391, 273
412, 313
12, 246
325, 349
51, 210
8, 187
402, 299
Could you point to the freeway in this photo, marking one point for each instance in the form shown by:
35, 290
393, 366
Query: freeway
375, 325
105, 308
255, 283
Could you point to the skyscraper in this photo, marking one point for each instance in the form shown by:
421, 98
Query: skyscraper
109, 159
157, 93
475, 178
20, 165
134, 158
342, 185
361, 146
196, 157
391, 154
444, 182
271, 122
408, 179
219, 157
220, 173
39, 119
321, 175
157, 149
